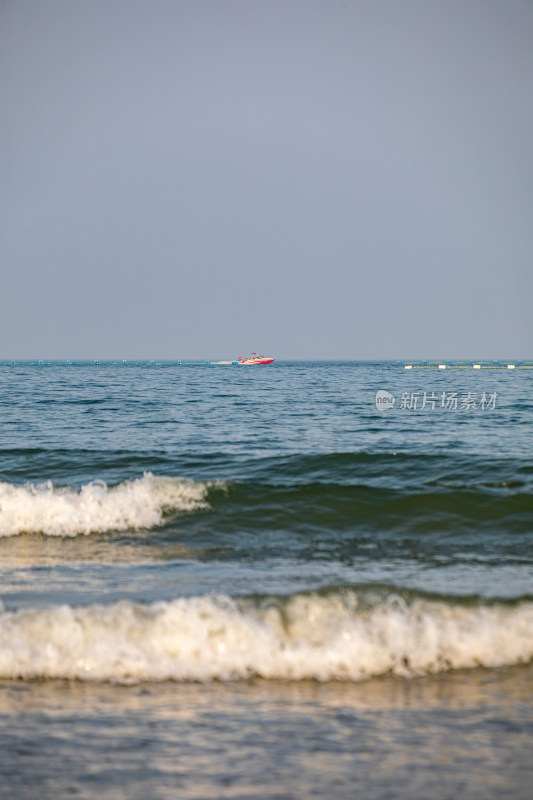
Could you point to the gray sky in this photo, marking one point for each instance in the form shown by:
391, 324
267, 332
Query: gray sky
202, 178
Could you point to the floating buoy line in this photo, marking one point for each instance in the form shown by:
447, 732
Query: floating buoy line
505, 364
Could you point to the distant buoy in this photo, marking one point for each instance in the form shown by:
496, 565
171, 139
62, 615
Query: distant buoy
96, 363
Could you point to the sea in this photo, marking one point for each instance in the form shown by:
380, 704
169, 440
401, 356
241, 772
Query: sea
302, 580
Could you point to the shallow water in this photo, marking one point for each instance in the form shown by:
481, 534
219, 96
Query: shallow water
452, 735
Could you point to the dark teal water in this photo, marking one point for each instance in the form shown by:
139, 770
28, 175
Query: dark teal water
256, 529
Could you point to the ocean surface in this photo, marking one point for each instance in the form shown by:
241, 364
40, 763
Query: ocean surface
257, 582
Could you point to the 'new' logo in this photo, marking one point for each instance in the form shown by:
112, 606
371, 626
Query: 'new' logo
384, 400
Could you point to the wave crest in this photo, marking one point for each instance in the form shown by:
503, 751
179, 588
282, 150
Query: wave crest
307, 636
95, 507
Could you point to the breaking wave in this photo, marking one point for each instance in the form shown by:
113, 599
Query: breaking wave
306, 636
95, 507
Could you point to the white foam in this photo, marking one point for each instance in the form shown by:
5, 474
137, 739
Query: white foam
95, 507
215, 638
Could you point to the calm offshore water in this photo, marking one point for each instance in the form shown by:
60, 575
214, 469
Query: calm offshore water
249, 582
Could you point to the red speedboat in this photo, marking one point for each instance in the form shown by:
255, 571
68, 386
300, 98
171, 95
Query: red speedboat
254, 358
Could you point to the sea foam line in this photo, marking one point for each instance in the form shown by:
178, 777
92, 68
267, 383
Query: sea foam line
95, 507
216, 638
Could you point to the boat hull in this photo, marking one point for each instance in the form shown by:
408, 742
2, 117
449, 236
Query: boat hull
258, 360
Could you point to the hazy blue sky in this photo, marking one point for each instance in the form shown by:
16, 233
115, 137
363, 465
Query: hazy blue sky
202, 178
